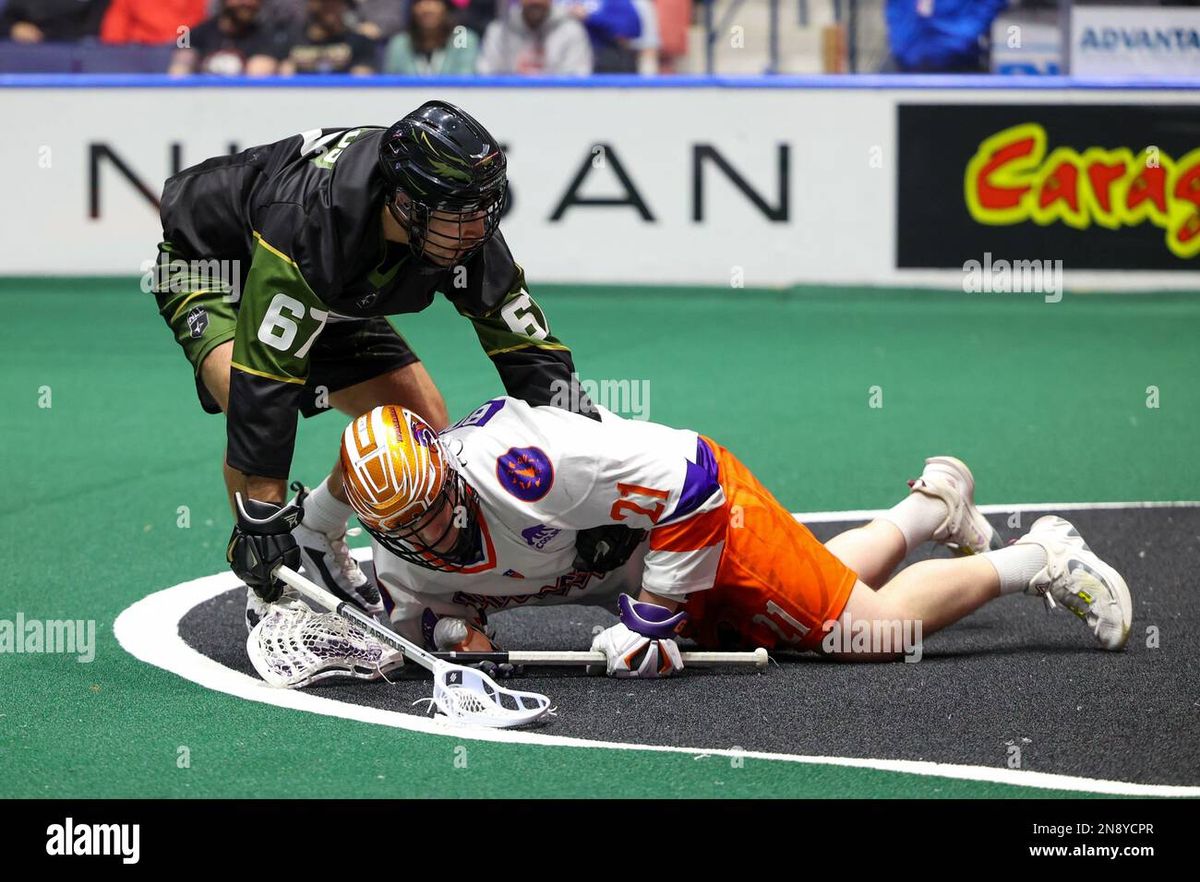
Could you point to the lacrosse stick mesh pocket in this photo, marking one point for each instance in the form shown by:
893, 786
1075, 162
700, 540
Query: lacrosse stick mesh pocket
294, 646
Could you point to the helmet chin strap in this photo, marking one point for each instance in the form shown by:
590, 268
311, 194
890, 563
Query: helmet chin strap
402, 219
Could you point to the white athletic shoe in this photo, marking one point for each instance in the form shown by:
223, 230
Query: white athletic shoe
328, 562
1079, 580
965, 530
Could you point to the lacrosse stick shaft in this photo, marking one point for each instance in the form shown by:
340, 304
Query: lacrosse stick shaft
329, 601
757, 658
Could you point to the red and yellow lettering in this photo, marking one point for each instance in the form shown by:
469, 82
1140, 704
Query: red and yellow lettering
999, 175
1010, 180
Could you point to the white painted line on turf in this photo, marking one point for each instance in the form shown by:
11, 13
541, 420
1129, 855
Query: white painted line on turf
149, 630
866, 514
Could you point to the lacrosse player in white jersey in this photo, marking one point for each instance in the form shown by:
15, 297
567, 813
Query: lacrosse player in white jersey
485, 515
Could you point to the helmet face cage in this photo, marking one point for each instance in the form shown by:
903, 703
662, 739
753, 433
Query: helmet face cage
464, 226
405, 540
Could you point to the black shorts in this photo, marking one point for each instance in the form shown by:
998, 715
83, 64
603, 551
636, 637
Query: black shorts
202, 317
346, 353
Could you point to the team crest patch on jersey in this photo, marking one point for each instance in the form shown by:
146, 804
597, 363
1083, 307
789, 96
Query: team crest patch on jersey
197, 321
513, 574
525, 472
538, 535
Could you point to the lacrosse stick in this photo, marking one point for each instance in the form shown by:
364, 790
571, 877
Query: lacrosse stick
464, 695
758, 658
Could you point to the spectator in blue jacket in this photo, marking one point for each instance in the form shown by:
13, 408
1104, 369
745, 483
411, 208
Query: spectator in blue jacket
940, 36
611, 26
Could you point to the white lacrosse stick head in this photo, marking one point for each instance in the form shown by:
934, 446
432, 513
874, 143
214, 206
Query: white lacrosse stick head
468, 695
292, 646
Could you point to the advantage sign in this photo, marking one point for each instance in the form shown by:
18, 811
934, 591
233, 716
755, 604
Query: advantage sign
1135, 41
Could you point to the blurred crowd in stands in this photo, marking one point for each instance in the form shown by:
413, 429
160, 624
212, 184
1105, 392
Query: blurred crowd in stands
455, 37
355, 37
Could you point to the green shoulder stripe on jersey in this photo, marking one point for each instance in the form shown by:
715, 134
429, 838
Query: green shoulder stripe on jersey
279, 318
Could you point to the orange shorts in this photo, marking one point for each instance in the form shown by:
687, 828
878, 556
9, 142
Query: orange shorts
776, 584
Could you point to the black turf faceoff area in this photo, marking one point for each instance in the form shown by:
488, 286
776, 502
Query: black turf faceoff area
1011, 674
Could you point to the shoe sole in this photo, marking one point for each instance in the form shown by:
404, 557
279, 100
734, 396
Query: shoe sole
1117, 585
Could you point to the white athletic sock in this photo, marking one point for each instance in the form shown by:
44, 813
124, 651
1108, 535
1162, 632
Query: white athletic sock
1017, 565
917, 516
324, 513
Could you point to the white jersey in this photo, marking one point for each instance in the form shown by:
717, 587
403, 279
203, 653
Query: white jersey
541, 475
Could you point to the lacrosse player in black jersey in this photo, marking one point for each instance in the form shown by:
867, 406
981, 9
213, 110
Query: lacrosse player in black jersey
315, 239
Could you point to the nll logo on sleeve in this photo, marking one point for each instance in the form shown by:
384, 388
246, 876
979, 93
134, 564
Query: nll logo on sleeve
197, 321
69, 839
525, 472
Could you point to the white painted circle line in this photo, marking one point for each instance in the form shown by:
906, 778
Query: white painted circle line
149, 631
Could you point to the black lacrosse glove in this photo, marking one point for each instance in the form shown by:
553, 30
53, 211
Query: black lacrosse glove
604, 548
262, 542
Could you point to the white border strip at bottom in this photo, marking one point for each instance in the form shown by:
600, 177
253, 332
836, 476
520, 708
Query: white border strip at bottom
149, 630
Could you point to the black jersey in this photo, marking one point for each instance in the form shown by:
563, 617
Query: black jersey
301, 221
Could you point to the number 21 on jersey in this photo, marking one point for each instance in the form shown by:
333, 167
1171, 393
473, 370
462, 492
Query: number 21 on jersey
638, 500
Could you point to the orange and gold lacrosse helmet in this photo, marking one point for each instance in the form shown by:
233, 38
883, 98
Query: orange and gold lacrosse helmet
401, 484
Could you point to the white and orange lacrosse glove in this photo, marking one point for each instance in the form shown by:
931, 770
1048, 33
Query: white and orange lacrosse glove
642, 644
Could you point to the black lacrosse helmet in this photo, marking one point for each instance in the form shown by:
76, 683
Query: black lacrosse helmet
441, 159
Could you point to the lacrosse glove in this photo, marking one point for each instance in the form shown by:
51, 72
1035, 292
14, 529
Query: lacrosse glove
262, 542
642, 644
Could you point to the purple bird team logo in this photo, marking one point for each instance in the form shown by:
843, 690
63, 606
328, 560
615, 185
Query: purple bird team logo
538, 535
525, 472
